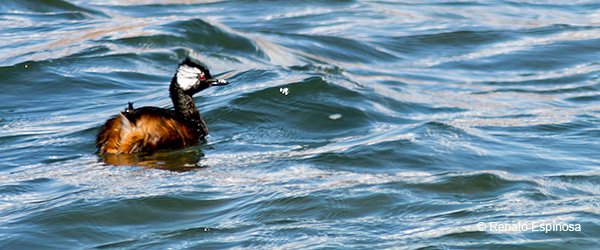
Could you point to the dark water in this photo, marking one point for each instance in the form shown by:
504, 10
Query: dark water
406, 124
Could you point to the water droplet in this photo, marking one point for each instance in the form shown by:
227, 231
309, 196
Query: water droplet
284, 91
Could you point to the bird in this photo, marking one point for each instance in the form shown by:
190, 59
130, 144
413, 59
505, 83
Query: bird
147, 129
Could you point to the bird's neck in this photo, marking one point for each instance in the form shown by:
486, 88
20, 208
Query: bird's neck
184, 103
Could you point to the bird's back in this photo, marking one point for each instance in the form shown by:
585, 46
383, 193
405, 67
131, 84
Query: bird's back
147, 129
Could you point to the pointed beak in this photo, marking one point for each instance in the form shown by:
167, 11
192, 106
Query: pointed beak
217, 82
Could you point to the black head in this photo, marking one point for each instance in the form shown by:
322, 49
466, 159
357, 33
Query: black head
192, 77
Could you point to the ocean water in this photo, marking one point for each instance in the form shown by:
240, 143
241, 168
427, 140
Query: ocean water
436, 124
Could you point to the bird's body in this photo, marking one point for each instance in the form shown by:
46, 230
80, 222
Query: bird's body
148, 129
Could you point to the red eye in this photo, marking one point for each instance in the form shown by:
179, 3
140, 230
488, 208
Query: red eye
201, 77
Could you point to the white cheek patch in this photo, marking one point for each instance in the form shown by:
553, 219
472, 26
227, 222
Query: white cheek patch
187, 76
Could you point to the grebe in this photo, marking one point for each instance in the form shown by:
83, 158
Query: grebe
147, 129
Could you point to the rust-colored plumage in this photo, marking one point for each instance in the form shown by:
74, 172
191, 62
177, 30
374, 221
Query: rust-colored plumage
148, 129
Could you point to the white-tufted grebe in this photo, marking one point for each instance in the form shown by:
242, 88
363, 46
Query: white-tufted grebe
147, 129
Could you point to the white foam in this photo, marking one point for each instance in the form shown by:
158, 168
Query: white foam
335, 116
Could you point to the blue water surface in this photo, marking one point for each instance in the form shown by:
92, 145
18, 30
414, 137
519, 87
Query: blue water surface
437, 124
